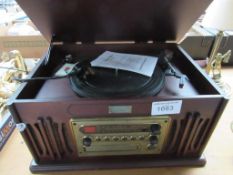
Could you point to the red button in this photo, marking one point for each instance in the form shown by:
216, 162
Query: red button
89, 129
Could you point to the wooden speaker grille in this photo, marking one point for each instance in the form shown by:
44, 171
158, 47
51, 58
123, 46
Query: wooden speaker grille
187, 135
49, 139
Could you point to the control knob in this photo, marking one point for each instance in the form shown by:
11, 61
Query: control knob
87, 141
155, 128
153, 140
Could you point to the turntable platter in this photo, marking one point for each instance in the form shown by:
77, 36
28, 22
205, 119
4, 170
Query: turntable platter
110, 83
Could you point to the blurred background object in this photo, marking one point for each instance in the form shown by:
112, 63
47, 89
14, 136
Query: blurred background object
17, 32
198, 42
218, 16
20, 45
12, 65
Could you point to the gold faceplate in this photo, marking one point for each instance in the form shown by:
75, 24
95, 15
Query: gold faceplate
120, 135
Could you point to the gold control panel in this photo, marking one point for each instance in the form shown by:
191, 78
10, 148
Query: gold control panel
120, 136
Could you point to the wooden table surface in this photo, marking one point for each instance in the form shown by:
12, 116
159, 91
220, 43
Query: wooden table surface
15, 157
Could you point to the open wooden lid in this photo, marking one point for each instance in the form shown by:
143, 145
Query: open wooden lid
113, 20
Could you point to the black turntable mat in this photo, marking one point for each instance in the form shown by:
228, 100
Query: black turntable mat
110, 83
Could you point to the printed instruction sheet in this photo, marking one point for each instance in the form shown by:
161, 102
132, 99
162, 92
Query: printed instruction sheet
141, 64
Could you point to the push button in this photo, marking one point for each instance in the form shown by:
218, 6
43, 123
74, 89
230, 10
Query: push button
141, 137
123, 138
97, 139
132, 138
115, 138
106, 138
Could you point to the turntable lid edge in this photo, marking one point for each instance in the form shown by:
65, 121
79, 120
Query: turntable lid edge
114, 20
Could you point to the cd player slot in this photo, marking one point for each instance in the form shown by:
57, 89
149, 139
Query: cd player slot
125, 147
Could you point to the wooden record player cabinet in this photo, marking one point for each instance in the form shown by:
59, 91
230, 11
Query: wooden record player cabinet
85, 29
